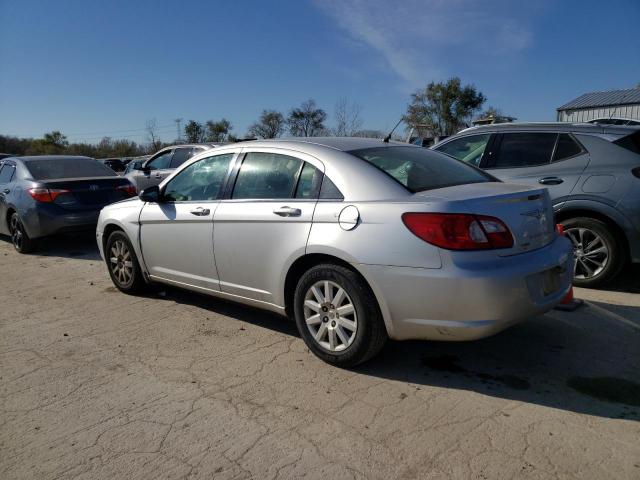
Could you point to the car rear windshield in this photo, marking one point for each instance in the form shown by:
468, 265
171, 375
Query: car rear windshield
419, 169
630, 142
47, 169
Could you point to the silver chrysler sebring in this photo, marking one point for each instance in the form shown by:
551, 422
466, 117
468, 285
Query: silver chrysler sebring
356, 239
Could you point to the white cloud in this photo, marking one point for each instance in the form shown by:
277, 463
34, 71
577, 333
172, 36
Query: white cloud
414, 38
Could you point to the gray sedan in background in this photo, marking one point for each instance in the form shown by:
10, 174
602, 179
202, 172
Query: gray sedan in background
45, 195
357, 239
592, 173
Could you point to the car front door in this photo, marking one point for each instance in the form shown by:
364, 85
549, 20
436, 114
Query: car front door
154, 170
176, 234
540, 159
264, 222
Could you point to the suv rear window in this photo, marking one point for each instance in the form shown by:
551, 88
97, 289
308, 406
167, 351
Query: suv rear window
418, 169
630, 142
67, 168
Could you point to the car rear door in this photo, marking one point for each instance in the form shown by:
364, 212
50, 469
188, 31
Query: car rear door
176, 234
263, 223
549, 159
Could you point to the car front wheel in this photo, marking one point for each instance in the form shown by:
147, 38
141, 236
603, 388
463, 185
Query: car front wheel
338, 315
122, 263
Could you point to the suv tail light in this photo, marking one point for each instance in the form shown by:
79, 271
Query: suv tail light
47, 195
129, 189
459, 231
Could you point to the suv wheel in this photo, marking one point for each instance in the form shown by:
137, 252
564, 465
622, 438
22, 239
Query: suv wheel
598, 253
338, 316
122, 264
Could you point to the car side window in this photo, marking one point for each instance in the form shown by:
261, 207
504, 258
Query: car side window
566, 147
199, 181
6, 173
469, 149
309, 182
266, 175
161, 162
181, 155
329, 191
524, 150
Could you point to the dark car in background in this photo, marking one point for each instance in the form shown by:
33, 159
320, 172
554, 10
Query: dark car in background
47, 195
592, 173
115, 164
162, 163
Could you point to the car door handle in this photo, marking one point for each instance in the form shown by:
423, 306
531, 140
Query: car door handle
200, 212
550, 181
288, 211
158, 175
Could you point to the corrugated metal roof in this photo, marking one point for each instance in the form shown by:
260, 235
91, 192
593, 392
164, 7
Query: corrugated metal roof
604, 99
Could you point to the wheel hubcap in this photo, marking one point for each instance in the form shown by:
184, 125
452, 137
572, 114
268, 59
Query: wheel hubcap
16, 232
121, 264
330, 316
590, 251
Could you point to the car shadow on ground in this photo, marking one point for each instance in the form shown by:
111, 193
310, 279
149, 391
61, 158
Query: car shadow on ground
81, 246
627, 281
560, 360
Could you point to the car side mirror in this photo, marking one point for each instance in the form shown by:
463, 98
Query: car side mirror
150, 194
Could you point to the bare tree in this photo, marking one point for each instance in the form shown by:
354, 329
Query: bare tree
152, 135
348, 120
270, 125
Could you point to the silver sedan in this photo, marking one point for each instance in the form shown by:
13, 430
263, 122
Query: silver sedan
356, 239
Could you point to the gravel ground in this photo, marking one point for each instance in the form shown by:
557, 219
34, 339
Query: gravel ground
97, 384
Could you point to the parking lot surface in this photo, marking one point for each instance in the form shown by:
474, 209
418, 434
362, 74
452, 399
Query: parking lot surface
97, 384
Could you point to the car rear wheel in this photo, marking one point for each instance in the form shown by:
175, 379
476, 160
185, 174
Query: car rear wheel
598, 252
338, 316
19, 237
122, 263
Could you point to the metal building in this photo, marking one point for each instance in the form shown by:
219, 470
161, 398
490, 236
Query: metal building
614, 104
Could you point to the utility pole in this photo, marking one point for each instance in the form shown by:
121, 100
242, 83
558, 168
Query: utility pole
179, 126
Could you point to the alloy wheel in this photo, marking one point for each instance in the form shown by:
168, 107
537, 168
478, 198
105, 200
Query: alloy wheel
121, 262
330, 316
590, 251
17, 236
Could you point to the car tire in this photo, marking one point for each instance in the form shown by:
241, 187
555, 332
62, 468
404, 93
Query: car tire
346, 328
122, 264
19, 237
598, 252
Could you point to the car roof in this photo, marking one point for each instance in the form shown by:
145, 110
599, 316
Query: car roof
52, 157
554, 127
343, 144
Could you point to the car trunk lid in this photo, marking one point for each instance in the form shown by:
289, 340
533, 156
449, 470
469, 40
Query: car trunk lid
526, 211
88, 193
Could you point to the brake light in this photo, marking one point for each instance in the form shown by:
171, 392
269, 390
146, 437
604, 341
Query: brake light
129, 189
459, 231
47, 195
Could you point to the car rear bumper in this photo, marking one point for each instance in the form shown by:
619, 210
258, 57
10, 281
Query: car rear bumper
456, 304
52, 219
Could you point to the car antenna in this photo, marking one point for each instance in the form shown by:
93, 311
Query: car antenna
388, 137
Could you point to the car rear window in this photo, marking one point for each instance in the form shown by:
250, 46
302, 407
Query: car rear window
418, 169
48, 169
630, 142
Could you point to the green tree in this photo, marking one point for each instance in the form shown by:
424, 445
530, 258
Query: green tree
217, 131
270, 125
55, 139
307, 120
443, 108
194, 132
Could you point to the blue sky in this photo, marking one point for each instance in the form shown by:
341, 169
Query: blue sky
103, 68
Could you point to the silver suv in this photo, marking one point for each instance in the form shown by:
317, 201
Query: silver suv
592, 173
164, 162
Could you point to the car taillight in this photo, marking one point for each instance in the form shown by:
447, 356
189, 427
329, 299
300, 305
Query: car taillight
47, 195
129, 189
459, 231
